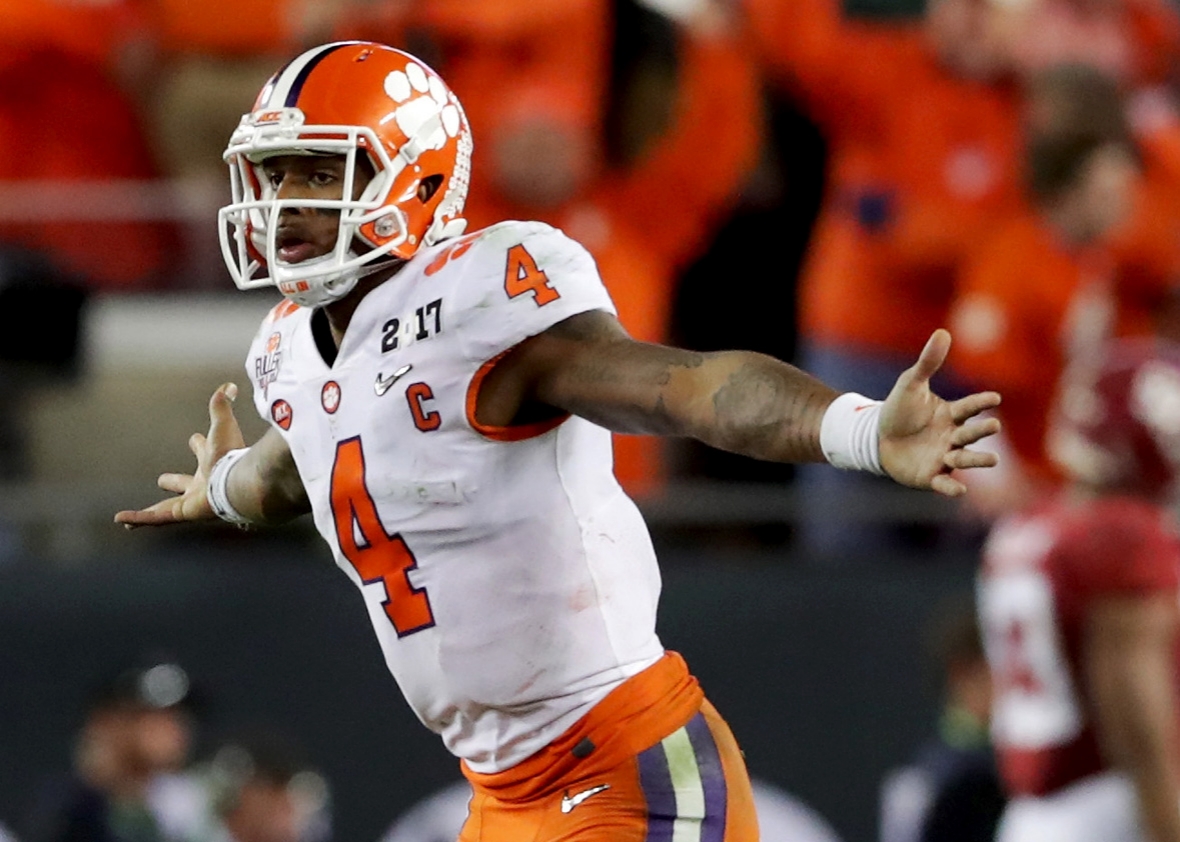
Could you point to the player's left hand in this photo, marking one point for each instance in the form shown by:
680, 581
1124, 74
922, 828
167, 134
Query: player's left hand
924, 438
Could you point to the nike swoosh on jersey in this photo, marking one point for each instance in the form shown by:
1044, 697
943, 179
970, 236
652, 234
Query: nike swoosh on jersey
568, 802
383, 384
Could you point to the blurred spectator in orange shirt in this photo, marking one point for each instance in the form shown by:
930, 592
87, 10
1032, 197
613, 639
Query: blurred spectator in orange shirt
535, 77
208, 60
210, 57
69, 125
1133, 41
1049, 284
100, 32
922, 129
1136, 44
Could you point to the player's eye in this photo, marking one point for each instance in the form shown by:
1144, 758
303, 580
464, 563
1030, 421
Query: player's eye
322, 178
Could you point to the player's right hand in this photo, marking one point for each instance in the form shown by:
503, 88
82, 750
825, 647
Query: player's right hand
191, 502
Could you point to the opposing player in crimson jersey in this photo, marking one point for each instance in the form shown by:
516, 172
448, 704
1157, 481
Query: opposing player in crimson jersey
442, 404
1078, 600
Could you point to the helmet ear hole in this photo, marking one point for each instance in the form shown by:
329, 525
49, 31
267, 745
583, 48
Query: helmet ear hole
428, 186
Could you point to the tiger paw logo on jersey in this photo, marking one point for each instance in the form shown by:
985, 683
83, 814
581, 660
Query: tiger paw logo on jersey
330, 396
266, 367
280, 413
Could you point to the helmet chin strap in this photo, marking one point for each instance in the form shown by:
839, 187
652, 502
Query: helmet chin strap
373, 268
331, 289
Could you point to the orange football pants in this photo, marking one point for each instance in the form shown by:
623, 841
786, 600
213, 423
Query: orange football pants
651, 760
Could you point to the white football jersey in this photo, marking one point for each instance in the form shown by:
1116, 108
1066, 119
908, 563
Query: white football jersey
511, 582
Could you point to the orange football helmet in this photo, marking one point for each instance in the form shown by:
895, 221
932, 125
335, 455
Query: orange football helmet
340, 99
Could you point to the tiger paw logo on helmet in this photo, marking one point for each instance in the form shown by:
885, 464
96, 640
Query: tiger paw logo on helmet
399, 118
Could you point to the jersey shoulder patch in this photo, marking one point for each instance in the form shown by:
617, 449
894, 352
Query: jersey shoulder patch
276, 321
280, 311
271, 350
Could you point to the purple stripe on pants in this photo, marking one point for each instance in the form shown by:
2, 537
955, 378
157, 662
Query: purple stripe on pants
712, 778
656, 782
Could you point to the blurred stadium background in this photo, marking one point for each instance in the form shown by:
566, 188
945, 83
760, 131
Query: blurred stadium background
107, 359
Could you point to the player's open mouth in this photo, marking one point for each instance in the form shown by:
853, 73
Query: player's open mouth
294, 249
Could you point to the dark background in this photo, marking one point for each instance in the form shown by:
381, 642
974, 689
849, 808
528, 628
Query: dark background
818, 670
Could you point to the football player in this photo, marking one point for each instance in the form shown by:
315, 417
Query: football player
1077, 597
442, 402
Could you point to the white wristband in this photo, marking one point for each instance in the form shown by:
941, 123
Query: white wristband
849, 433
218, 491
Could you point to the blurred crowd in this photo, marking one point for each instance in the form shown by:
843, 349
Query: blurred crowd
157, 754
855, 174
826, 181
1009, 169
137, 774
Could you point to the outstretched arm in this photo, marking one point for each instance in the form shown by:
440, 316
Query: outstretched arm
264, 485
739, 401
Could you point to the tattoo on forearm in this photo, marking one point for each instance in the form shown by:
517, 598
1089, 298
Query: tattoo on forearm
660, 367
656, 368
769, 412
748, 408
740, 401
663, 418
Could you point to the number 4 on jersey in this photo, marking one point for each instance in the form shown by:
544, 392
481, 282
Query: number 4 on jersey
376, 556
523, 276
